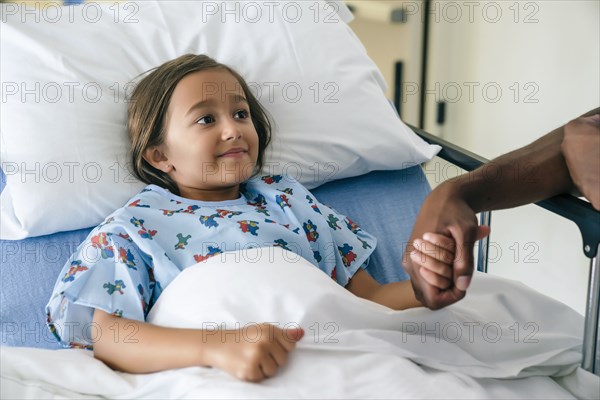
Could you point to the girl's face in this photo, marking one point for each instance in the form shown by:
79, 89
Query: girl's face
211, 144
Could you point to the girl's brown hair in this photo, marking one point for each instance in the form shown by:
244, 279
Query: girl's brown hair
148, 109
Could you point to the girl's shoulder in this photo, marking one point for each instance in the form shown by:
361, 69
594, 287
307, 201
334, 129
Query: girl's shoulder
133, 220
147, 199
274, 183
152, 196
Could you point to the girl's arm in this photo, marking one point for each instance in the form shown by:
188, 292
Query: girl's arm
140, 347
396, 295
435, 253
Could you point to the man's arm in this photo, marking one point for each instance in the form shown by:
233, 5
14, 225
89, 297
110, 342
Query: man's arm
532, 173
581, 150
526, 175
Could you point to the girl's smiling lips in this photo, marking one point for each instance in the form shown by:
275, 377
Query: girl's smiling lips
234, 152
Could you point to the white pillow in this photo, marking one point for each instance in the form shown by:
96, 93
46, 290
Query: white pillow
66, 70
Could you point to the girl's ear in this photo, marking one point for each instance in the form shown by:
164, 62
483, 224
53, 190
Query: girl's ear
157, 158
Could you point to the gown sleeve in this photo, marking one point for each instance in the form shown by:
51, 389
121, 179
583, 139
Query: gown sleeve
350, 245
340, 247
107, 272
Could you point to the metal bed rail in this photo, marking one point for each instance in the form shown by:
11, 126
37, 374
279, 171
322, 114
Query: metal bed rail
579, 211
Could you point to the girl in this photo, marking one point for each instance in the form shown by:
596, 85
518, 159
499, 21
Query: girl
198, 138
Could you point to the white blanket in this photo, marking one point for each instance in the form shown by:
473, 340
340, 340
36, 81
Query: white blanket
352, 348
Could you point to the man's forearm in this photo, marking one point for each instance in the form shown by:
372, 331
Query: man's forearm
526, 175
532, 173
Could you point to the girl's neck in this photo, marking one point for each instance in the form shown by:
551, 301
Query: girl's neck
218, 194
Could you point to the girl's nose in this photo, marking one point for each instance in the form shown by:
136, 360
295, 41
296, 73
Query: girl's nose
231, 131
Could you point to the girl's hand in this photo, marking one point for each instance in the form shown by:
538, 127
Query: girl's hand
253, 353
435, 254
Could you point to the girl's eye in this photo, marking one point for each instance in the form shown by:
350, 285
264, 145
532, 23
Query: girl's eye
242, 113
207, 120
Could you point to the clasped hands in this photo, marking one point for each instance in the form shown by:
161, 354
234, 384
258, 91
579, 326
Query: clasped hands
439, 259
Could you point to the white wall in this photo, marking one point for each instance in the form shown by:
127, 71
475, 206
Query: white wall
387, 43
539, 64
550, 55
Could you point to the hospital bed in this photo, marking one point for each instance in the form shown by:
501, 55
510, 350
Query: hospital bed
29, 268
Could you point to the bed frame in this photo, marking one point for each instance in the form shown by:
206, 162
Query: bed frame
567, 206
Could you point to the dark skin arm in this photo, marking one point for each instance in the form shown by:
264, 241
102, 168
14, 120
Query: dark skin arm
581, 150
565, 160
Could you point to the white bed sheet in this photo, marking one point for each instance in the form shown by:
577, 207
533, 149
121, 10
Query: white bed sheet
379, 352
309, 375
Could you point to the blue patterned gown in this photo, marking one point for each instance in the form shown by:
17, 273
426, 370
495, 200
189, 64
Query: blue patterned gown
127, 261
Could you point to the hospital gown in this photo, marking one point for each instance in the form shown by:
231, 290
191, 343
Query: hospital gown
127, 261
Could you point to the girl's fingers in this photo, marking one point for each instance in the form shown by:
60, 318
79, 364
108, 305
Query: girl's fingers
279, 353
432, 264
288, 337
441, 241
268, 366
434, 279
434, 251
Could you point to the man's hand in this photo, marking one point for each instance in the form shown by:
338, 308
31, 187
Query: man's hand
581, 150
445, 213
564, 159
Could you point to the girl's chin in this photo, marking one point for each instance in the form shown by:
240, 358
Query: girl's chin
231, 174
239, 167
